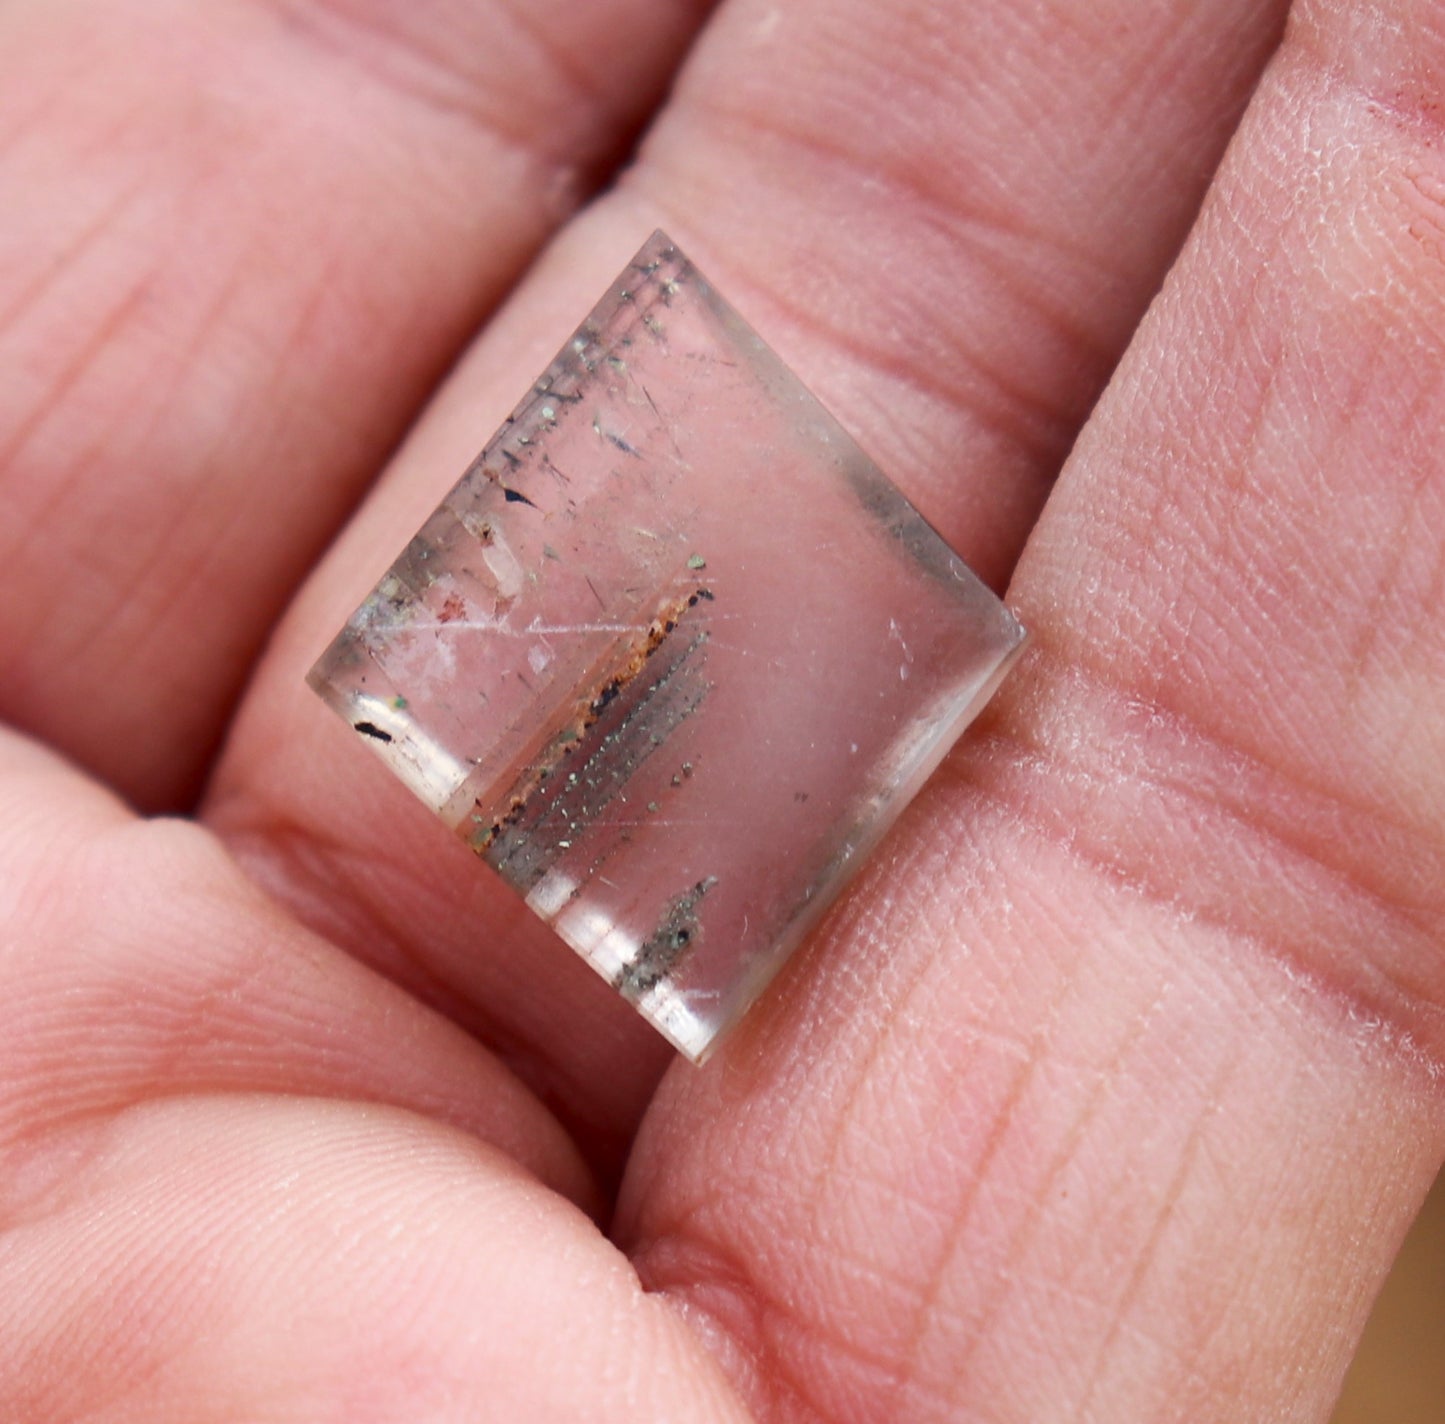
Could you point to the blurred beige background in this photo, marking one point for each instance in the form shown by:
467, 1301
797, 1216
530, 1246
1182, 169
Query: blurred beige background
1399, 1375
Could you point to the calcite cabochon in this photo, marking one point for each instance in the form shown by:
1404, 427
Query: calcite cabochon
673, 653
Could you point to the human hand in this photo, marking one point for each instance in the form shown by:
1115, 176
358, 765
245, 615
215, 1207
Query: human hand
1108, 1091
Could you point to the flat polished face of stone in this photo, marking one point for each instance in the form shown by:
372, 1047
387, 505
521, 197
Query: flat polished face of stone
673, 654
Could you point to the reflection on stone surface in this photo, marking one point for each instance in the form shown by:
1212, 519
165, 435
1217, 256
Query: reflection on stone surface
673, 653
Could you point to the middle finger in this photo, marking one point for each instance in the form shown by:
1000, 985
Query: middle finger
948, 220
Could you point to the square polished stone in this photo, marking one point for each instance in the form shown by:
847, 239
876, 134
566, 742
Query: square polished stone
673, 654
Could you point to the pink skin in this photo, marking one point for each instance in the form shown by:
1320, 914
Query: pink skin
1107, 1093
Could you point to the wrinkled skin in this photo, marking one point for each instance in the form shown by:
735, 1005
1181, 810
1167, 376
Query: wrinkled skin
1108, 1091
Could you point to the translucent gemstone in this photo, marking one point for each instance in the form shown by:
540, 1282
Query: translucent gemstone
673, 654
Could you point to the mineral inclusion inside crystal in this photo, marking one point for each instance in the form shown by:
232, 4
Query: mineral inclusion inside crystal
673, 654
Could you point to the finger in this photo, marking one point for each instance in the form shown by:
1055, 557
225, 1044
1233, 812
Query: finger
949, 229
137, 964
213, 1259
1111, 1096
241, 243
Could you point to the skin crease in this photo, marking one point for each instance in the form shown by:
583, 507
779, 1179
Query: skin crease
1111, 1087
